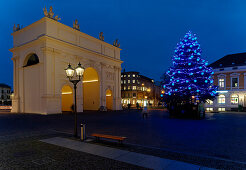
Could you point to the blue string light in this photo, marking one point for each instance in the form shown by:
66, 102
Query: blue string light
192, 70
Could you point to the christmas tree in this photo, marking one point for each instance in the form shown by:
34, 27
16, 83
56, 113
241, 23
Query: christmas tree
189, 77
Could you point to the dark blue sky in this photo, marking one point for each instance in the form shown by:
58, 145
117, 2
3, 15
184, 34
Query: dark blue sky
148, 31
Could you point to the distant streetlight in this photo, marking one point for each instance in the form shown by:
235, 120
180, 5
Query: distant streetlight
70, 75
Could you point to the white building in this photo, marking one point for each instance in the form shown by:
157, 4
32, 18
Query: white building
44, 49
230, 77
5, 93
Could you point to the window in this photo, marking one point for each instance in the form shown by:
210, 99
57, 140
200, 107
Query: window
124, 87
121, 81
234, 82
129, 81
129, 87
32, 60
221, 82
134, 88
210, 102
209, 109
234, 99
129, 75
134, 94
133, 75
221, 99
221, 109
124, 81
121, 75
124, 75
133, 81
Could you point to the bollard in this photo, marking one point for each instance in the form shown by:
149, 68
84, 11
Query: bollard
82, 132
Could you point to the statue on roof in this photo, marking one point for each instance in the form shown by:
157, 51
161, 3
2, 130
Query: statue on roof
57, 18
16, 28
76, 25
45, 12
101, 37
116, 44
50, 14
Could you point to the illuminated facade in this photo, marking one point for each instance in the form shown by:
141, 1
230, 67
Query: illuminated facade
230, 77
43, 50
136, 88
5, 94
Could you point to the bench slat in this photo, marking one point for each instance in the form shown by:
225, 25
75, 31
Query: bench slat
108, 136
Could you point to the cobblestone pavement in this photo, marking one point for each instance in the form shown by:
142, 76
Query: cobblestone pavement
221, 136
27, 152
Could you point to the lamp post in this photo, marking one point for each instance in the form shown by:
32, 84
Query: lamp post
70, 75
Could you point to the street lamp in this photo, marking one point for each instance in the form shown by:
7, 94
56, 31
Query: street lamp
70, 75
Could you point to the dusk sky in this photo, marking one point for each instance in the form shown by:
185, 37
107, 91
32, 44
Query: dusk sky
148, 31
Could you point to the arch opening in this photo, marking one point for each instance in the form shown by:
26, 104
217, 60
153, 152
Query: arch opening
31, 59
109, 99
67, 98
91, 89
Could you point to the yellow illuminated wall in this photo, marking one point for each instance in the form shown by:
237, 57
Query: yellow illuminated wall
91, 91
67, 98
109, 100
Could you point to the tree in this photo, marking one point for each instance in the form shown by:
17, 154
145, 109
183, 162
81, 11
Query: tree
189, 77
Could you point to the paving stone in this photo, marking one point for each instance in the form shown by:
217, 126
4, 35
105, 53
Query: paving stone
138, 159
182, 166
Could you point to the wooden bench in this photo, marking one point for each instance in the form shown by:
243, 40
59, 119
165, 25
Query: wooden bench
118, 138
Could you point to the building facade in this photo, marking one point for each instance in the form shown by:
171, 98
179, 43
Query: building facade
230, 77
136, 88
42, 51
5, 93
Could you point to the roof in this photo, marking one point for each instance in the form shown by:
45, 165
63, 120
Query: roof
146, 78
230, 60
4, 85
129, 72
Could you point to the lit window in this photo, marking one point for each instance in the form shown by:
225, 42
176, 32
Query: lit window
124, 81
234, 99
210, 102
134, 88
133, 81
209, 109
124, 87
121, 82
129, 81
133, 75
129, 75
124, 75
121, 75
234, 82
221, 99
221, 109
221, 82
133, 102
129, 87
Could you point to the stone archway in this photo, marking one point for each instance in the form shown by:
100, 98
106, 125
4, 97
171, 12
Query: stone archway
109, 99
31, 83
91, 89
67, 98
